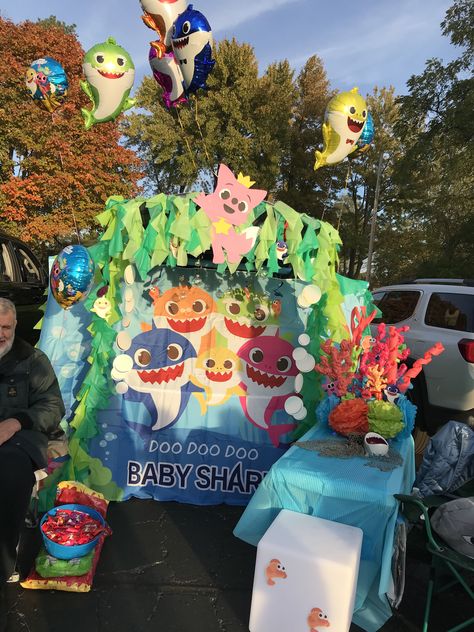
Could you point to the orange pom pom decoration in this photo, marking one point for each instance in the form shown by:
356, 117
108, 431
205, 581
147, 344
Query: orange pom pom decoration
350, 417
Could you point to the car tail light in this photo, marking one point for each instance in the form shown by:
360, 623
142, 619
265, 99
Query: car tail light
466, 347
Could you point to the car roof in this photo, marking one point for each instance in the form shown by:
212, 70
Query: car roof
451, 286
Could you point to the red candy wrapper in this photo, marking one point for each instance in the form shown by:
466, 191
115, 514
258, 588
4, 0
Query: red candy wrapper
72, 527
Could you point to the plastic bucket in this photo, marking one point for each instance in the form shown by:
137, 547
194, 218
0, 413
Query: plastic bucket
61, 551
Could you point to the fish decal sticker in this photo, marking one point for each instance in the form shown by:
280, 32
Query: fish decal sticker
191, 39
155, 370
110, 74
268, 378
275, 570
217, 372
317, 619
228, 208
344, 120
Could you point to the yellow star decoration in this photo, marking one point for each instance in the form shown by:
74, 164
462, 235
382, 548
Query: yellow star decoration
221, 227
245, 180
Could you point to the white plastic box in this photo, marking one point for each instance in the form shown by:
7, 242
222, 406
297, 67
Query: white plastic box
305, 575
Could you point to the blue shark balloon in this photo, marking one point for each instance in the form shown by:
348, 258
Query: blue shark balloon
191, 39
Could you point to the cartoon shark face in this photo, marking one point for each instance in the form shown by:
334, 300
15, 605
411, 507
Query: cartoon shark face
392, 393
190, 35
246, 315
186, 309
109, 61
218, 366
268, 364
160, 358
347, 113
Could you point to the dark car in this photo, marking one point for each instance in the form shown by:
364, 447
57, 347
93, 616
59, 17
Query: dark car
23, 280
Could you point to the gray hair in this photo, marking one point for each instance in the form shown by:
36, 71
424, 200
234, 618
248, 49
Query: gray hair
7, 306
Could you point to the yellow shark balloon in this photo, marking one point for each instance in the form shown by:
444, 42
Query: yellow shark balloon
345, 117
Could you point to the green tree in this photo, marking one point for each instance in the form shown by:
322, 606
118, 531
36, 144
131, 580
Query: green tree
301, 187
265, 126
354, 208
436, 175
53, 22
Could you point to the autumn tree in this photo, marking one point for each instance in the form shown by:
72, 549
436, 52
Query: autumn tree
301, 186
53, 174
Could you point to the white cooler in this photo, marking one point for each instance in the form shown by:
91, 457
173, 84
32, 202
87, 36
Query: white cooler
305, 575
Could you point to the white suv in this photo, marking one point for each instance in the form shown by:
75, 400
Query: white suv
436, 310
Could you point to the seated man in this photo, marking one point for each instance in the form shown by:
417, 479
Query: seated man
31, 408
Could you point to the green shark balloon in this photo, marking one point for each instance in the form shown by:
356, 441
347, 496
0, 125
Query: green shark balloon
110, 73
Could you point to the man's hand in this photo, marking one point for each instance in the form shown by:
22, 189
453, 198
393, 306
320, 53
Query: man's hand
8, 427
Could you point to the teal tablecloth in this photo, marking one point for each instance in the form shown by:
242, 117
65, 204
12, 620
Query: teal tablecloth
343, 490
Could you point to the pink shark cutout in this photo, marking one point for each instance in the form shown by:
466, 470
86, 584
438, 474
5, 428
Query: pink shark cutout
228, 206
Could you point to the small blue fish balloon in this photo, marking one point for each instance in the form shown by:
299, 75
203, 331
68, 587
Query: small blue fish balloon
47, 83
71, 276
191, 39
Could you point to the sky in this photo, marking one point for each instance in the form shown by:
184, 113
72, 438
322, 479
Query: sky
375, 42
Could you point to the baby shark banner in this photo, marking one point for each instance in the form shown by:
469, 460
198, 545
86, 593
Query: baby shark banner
203, 369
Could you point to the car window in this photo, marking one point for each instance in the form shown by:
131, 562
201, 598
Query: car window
30, 270
7, 270
395, 305
451, 311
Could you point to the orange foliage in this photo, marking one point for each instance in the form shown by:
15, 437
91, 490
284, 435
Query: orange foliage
50, 167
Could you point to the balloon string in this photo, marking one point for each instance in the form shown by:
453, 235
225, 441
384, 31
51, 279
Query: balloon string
348, 175
346, 190
186, 141
62, 169
209, 161
329, 193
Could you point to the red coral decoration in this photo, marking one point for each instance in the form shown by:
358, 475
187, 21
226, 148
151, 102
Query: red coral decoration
386, 352
435, 350
350, 417
359, 323
337, 365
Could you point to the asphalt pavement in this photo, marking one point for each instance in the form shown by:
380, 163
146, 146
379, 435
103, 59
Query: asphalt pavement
172, 567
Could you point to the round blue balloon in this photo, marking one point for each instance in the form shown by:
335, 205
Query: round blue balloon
47, 83
367, 135
71, 276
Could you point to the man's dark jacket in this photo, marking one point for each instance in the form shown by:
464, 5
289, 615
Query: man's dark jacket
29, 392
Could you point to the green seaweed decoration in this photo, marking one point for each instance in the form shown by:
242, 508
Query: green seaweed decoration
175, 230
